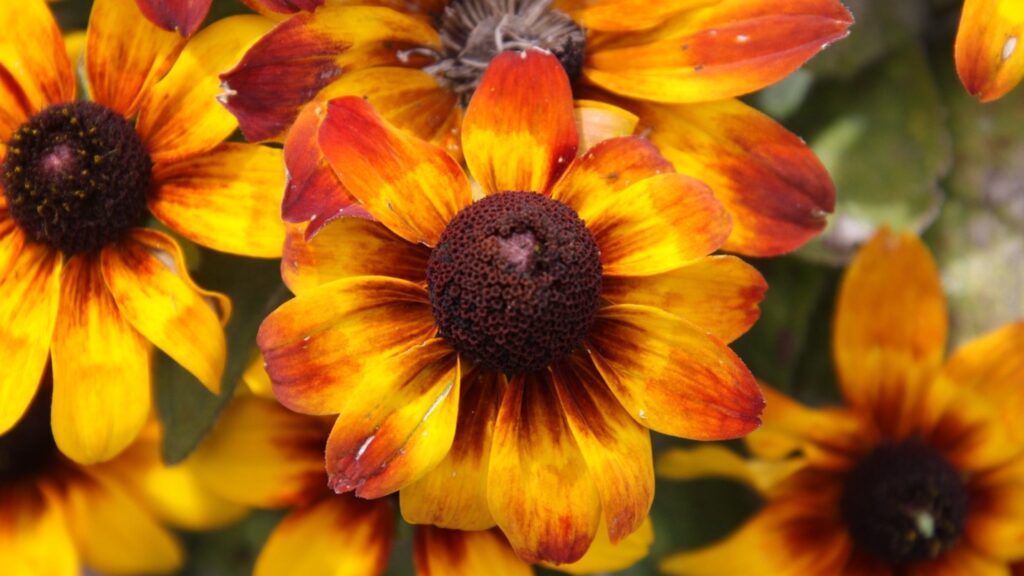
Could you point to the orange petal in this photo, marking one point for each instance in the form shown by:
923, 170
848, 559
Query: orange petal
283, 6
965, 426
181, 16
616, 448
819, 432
994, 525
28, 313
960, 560
339, 535
603, 556
730, 48
890, 328
719, 294
989, 59
262, 455
380, 444
454, 493
519, 133
540, 490
440, 552
147, 276
34, 67
320, 346
227, 199
101, 369
34, 536
597, 122
123, 67
625, 15
673, 377
349, 247
715, 461
769, 180
291, 64
412, 187
177, 118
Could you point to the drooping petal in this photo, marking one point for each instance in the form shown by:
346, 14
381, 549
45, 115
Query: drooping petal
178, 118
101, 364
122, 67
890, 327
519, 133
454, 493
227, 199
381, 444
349, 247
320, 347
181, 16
262, 455
673, 377
540, 490
719, 294
989, 57
603, 556
34, 537
28, 313
615, 447
337, 535
411, 186
769, 180
726, 49
441, 552
291, 64
115, 534
147, 277
34, 68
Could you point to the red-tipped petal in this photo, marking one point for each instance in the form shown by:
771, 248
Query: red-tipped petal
181, 16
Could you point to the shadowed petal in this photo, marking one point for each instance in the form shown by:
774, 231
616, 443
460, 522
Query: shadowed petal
440, 552
989, 54
34, 536
603, 556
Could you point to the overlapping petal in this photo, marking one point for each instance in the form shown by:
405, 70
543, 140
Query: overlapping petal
714, 461
440, 552
620, 15
673, 377
603, 556
989, 54
181, 16
520, 136
34, 537
283, 6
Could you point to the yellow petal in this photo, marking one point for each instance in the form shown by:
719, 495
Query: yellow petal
603, 556
598, 121
34, 536
989, 56
440, 552
720, 462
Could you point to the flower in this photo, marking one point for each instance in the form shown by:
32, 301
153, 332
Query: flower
501, 360
676, 68
85, 285
57, 517
988, 58
262, 455
919, 473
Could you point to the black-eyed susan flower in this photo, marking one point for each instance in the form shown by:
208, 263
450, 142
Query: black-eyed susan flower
990, 47
676, 68
921, 472
58, 517
262, 455
86, 288
501, 360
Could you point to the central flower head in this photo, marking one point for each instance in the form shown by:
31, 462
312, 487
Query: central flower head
905, 503
76, 177
514, 281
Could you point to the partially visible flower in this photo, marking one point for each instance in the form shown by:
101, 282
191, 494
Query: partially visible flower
678, 66
58, 517
990, 47
265, 456
921, 473
86, 287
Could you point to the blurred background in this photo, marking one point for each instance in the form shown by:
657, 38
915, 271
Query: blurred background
906, 146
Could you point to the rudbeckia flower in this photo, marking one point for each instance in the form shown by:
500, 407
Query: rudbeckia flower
921, 472
86, 286
58, 517
675, 67
500, 360
264, 456
990, 47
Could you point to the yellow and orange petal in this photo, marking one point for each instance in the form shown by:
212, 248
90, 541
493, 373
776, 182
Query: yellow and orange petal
34, 536
989, 56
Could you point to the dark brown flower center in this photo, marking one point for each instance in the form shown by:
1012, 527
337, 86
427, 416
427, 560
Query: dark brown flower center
28, 449
905, 503
76, 177
475, 31
514, 281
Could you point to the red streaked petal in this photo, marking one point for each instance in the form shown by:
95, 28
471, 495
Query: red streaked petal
989, 50
381, 444
291, 64
673, 377
440, 552
727, 49
283, 6
181, 16
769, 180
519, 133
411, 186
